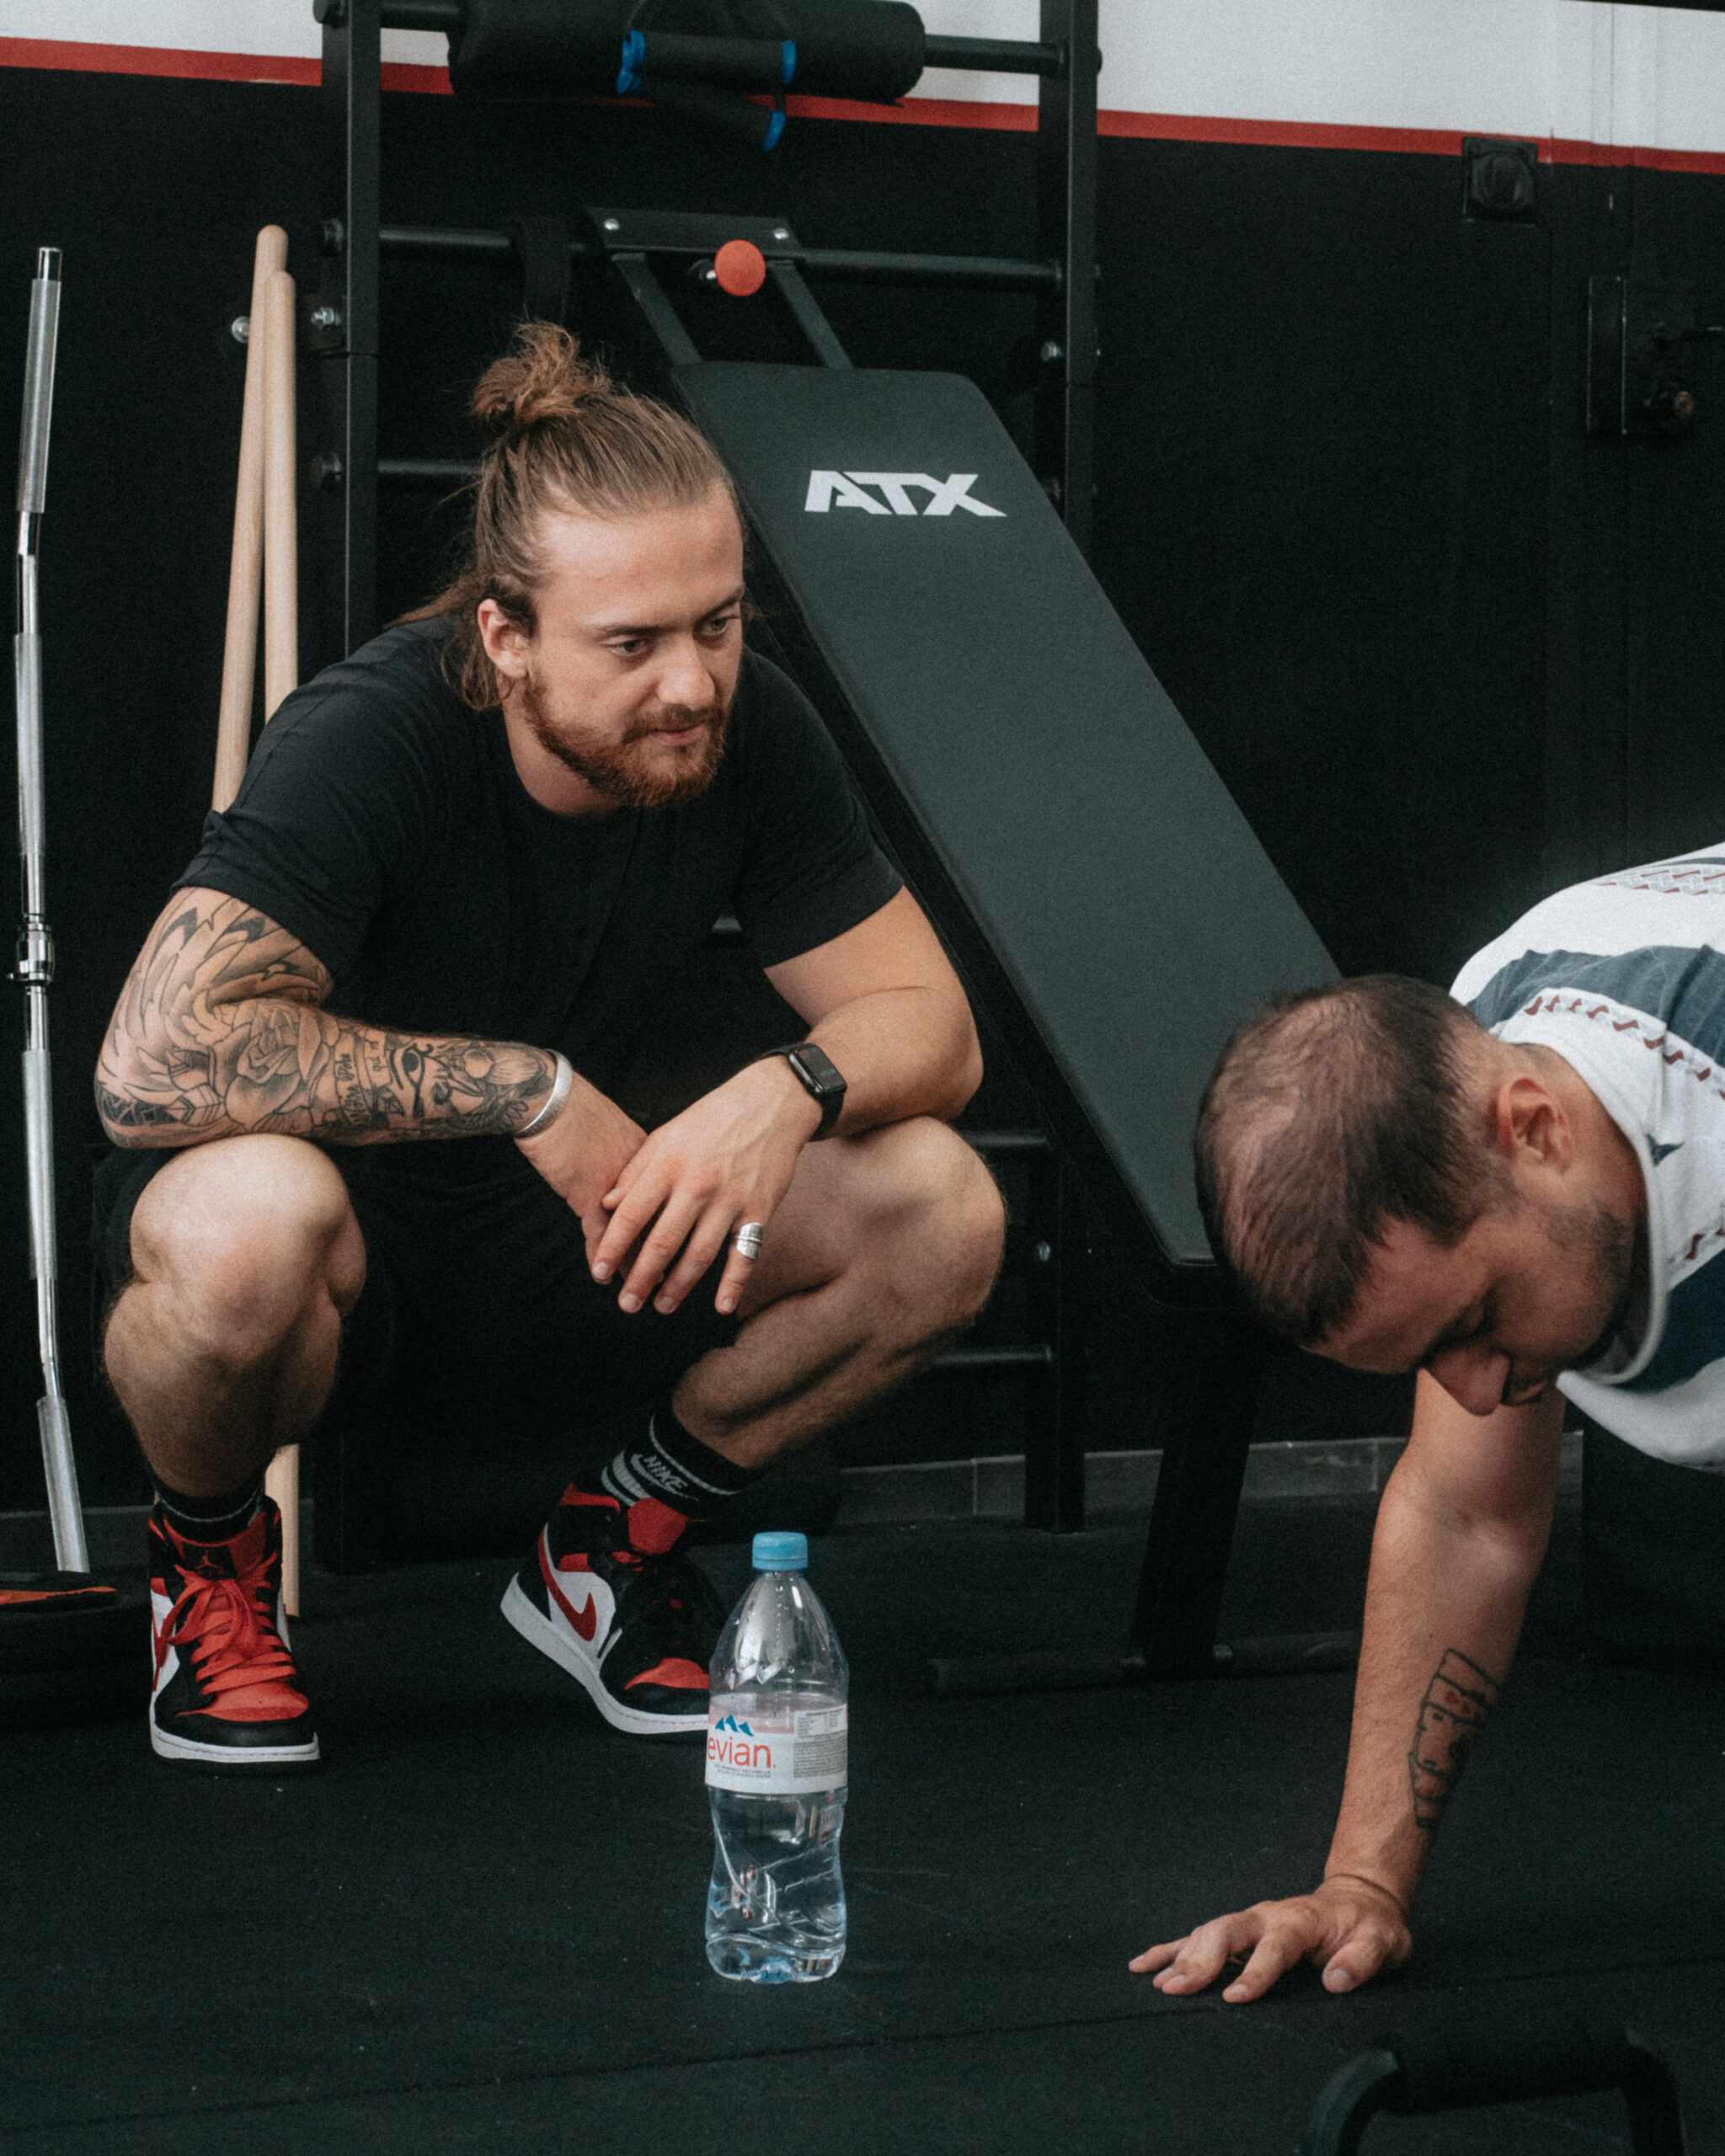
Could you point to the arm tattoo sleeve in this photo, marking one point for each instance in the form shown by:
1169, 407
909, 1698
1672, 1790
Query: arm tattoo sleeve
1456, 1706
218, 1032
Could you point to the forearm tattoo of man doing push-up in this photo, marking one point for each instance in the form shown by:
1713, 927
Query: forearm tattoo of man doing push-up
219, 1032
1457, 1705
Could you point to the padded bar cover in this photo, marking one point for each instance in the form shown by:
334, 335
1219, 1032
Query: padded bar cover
730, 63
1070, 837
870, 50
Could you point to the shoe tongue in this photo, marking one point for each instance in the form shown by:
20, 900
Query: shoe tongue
222, 1560
653, 1526
575, 1495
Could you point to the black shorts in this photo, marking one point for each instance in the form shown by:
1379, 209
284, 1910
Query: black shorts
478, 1311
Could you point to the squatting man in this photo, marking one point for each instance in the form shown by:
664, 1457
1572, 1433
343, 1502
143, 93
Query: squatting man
1517, 1192
379, 1083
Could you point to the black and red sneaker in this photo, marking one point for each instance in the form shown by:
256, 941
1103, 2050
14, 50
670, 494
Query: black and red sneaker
226, 1692
606, 1595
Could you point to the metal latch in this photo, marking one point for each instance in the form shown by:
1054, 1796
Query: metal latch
1640, 357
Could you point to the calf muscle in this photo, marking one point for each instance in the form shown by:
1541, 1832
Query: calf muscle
223, 1345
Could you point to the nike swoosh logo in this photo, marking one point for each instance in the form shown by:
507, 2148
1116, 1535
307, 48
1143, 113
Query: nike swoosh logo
585, 1619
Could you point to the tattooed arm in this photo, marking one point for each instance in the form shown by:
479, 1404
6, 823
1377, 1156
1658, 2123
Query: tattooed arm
220, 1031
1460, 1534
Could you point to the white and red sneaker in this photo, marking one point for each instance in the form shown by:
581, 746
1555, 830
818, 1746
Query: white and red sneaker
225, 1693
606, 1595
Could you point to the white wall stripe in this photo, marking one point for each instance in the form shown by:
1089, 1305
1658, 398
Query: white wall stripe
1574, 69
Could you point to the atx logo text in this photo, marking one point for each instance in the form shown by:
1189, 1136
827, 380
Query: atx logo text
829, 490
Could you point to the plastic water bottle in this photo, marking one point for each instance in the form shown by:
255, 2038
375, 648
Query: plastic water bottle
776, 1744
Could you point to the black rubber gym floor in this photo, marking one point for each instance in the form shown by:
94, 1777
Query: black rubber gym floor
479, 1925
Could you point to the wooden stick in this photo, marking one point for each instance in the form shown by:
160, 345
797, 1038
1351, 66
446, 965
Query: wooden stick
281, 674
281, 1480
281, 663
233, 731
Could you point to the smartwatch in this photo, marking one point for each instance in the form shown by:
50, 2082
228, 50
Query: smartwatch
820, 1076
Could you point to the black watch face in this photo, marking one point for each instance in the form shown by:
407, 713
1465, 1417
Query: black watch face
820, 1071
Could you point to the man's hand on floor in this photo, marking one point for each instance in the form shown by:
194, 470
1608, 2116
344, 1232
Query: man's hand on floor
582, 1154
1348, 1927
727, 1159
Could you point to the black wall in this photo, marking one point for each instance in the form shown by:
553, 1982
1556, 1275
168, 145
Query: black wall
1445, 651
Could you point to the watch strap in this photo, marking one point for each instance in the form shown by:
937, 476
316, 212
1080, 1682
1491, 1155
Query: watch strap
830, 1094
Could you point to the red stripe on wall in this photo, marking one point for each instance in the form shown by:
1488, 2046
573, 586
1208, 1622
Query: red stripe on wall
1285, 134
1420, 141
915, 112
1614, 153
409, 75
161, 60
919, 112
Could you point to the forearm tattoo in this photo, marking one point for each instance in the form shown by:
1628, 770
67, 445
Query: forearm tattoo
1457, 1703
218, 1033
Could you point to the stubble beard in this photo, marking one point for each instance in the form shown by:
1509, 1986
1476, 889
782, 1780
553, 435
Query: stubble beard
1592, 1236
1610, 1248
623, 772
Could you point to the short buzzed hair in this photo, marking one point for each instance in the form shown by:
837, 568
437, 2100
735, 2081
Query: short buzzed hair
1333, 1112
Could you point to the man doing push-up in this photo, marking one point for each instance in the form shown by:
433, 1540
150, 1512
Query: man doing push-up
1518, 1190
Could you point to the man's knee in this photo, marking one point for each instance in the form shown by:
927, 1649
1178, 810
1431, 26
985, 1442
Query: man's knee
945, 1215
242, 1233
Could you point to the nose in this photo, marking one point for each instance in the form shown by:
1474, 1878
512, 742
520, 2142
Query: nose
684, 679
1473, 1377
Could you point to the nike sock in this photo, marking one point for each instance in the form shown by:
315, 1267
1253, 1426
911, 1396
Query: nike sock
211, 1519
682, 1472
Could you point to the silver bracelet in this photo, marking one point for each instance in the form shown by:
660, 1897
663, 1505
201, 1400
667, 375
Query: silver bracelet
560, 1085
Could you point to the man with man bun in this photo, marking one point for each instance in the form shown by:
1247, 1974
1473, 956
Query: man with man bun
368, 1082
1517, 1191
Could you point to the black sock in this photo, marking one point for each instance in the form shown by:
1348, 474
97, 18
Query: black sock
211, 1519
668, 1464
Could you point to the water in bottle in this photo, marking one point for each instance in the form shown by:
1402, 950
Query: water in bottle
776, 1744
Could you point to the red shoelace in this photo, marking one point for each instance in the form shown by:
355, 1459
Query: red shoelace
240, 1658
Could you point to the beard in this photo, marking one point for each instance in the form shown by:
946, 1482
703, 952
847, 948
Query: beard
1610, 1248
1603, 1255
629, 771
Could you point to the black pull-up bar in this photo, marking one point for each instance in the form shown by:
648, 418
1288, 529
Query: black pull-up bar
986, 56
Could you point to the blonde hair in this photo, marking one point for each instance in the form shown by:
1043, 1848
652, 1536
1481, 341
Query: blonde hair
568, 440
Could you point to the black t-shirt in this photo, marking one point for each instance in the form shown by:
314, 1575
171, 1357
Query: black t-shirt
383, 823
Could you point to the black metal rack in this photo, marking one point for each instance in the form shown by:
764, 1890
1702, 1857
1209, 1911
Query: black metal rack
342, 316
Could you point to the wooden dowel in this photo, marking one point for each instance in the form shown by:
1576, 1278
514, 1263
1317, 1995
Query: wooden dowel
281, 665
281, 674
281, 1480
239, 657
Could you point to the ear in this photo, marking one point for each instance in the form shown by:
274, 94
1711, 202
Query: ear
1531, 1129
506, 642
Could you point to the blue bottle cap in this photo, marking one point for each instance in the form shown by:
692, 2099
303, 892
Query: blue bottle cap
781, 1553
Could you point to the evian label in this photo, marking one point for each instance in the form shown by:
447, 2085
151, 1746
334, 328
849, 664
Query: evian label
777, 1750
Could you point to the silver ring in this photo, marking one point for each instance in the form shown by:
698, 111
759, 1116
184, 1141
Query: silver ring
748, 1238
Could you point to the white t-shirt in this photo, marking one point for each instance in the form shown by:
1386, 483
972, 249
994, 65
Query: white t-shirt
1625, 978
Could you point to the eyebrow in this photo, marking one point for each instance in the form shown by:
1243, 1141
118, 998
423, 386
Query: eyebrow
657, 628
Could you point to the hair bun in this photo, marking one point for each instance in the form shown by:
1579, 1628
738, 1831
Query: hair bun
543, 378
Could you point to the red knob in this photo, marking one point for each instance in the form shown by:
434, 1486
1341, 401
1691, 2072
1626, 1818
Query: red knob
741, 268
